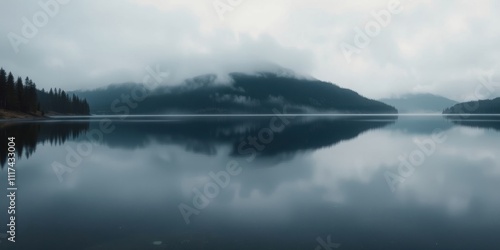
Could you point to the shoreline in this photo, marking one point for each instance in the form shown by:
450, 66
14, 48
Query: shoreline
9, 115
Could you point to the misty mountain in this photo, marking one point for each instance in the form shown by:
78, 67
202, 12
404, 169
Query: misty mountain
250, 94
475, 107
420, 103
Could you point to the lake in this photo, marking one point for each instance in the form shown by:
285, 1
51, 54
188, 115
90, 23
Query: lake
268, 182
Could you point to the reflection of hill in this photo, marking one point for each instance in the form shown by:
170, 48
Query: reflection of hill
202, 135
488, 122
28, 135
421, 125
310, 134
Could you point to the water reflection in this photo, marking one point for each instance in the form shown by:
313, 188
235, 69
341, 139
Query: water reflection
482, 121
29, 135
200, 135
204, 135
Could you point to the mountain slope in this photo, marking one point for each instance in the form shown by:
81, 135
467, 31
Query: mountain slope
251, 94
475, 107
420, 103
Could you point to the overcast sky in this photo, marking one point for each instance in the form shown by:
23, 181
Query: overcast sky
437, 46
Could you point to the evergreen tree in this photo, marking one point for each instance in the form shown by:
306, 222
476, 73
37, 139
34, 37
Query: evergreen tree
20, 95
32, 97
11, 93
3, 88
24, 97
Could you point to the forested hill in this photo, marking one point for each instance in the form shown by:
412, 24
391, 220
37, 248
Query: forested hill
475, 107
251, 94
21, 96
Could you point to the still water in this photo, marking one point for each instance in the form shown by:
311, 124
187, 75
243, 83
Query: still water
254, 183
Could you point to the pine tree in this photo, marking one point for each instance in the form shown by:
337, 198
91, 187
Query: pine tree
27, 99
64, 102
30, 96
20, 95
50, 101
3, 88
10, 91
33, 98
86, 107
14, 95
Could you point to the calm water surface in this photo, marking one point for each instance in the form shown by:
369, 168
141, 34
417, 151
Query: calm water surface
255, 183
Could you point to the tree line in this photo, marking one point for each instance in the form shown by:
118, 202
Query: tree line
59, 101
23, 96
